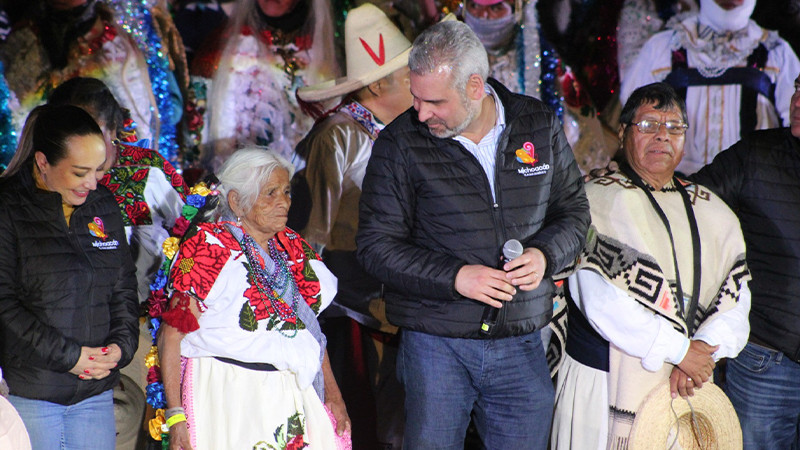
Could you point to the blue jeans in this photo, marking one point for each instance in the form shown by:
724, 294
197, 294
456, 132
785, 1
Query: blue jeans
83, 426
764, 387
505, 383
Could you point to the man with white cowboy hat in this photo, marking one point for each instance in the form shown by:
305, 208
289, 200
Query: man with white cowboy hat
336, 150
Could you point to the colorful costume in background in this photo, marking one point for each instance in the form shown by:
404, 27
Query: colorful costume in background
96, 48
257, 328
627, 320
155, 34
730, 82
151, 195
8, 136
246, 94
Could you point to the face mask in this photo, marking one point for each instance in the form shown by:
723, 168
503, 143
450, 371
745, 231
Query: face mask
723, 21
493, 33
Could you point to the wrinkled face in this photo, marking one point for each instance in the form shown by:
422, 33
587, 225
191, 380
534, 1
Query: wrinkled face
794, 109
276, 8
495, 11
439, 105
654, 156
271, 210
77, 174
397, 95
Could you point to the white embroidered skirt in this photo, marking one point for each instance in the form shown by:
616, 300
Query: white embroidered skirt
228, 406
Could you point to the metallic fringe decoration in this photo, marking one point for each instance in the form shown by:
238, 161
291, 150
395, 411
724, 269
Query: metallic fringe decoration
135, 18
8, 137
549, 87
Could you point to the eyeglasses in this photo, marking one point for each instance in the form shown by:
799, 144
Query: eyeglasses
652, 126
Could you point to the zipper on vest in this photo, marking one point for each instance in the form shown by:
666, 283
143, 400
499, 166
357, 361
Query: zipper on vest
499, 220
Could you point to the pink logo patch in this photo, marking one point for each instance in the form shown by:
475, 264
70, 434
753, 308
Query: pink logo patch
526, 154
97, 229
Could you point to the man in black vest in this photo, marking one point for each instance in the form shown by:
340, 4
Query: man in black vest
471, 167
759, 178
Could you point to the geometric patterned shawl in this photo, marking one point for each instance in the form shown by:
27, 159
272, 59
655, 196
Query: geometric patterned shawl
628, 245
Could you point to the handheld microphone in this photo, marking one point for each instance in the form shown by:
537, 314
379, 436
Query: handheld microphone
511, 250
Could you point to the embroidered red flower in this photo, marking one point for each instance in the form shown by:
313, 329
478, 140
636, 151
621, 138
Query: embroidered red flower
308, 289
219, 231
176, 180
136, 154
260, 304
199, 262
140, 175
296, 443
113, 187
137, 212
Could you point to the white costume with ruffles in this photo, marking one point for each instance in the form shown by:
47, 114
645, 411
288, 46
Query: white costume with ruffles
714, 111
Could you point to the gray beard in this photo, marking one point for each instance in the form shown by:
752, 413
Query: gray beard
472, 113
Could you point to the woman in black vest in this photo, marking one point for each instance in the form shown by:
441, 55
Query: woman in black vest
68, 304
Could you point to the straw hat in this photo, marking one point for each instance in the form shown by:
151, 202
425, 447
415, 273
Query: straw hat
374, 48
714, 425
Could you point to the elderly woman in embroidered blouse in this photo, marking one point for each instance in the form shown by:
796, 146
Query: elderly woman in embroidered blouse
661, 287
242, 355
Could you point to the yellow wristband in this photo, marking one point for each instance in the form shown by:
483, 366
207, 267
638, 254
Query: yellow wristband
177, 418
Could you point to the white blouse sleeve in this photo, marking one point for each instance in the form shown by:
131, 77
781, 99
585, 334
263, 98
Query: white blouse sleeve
730, 330
327, 282
625, 323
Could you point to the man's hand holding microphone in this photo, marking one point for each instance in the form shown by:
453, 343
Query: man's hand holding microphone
520, 268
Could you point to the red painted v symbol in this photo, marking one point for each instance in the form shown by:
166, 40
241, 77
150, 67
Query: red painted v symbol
379, 60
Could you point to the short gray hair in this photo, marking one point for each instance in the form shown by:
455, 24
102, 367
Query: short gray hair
450, 44
245, 172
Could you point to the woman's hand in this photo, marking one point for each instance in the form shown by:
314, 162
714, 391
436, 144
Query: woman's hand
333, 397
179, 437
96, 363
339, 410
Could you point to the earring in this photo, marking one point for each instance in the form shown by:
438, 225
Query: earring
238, 221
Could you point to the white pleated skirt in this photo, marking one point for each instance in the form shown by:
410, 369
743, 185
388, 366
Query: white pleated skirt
580, 420
228, 406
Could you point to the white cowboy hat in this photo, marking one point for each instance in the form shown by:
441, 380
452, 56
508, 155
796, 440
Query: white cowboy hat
374, 48
706, 420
